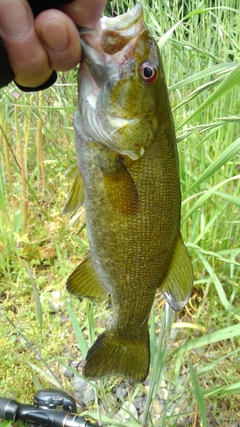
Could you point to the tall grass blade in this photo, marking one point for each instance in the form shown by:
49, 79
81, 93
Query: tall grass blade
159, 362
78, 332
199, 395
6, 423
222, 296
229, 83
45, 375
207, 339
223, 158
208, 72
203, 370
36, 298
90, 320
200, 52
219, 256
32, 347
37, 383
224, 391
211, 127
169, 33
207, 195
221, 335
231, 199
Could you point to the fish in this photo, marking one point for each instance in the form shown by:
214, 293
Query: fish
128, 179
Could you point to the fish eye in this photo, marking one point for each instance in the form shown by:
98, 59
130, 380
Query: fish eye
148, 73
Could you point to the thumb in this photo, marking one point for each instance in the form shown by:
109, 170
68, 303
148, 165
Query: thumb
26, 55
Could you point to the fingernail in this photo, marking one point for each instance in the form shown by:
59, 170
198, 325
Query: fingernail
55, 36
15, 19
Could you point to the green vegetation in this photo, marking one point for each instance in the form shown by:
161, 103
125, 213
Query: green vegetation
42, 327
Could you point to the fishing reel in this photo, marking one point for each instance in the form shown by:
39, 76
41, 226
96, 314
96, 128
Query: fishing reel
52, 408
56, 400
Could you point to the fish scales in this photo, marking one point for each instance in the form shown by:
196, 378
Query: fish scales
131, 255
128, 164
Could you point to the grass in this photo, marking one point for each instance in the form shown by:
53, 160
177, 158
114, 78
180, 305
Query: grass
41, 327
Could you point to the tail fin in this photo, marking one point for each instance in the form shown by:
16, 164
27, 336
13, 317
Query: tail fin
112, 355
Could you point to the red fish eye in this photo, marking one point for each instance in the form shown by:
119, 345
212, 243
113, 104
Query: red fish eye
148, 73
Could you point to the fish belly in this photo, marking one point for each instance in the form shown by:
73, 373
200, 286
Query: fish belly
131, 251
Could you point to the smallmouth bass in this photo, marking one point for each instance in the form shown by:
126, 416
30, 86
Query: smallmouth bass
129, 181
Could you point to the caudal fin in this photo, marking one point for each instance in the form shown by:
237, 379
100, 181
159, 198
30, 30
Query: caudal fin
111, 355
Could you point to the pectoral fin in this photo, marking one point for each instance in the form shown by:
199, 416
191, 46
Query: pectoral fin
84, 282
72, 171
76, 195
121, 190
177, 284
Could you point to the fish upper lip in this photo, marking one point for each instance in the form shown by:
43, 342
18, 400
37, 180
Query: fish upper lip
117, 23
123, 22
114, 38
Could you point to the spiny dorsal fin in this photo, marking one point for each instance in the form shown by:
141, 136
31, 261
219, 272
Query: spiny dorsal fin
177, 284
84, 282
76, 195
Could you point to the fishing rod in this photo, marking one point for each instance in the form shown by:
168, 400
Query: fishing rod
51, 408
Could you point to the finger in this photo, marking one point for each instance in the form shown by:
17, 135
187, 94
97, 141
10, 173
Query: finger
26, 55
60, 38
85, 13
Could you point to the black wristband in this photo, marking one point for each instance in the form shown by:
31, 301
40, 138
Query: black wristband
45, 85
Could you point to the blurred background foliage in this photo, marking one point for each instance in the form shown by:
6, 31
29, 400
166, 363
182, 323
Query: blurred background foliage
40, 333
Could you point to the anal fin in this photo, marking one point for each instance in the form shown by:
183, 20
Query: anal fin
177, 284
84, 282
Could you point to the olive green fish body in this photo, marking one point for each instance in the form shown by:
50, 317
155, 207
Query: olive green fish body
132, 247
127, 156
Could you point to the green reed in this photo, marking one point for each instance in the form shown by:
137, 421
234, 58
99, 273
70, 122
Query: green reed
199, 42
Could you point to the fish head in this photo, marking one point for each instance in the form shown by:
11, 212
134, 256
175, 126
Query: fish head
120, 83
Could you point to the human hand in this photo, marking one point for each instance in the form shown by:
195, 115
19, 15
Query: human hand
50, 42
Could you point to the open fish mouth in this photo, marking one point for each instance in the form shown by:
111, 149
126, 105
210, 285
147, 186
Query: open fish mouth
113, 53
113, 42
